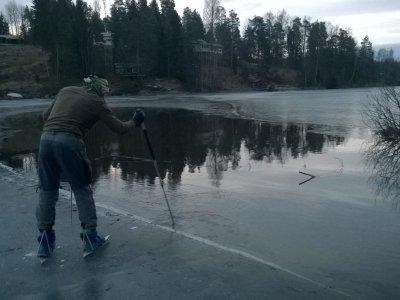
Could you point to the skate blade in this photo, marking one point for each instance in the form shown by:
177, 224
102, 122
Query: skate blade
86, 254
43, 260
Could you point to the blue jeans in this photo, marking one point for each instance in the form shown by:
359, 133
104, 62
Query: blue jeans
64, 153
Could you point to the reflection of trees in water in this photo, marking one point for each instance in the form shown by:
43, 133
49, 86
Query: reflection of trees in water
24, 161
182, 138
221, 155
277, 142
20, 145
383, 159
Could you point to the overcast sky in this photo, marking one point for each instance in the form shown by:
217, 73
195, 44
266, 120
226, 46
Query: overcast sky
379, 19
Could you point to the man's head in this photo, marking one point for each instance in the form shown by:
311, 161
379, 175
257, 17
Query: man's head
97, 84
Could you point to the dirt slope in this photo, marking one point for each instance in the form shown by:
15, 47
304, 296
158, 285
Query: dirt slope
23, 69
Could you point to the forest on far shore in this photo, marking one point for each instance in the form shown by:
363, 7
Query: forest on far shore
149, 40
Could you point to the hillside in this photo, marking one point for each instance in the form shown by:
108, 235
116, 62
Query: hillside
23, 69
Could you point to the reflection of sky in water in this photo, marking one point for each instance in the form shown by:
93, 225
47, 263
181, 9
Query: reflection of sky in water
334, 160
245, 176
196, 151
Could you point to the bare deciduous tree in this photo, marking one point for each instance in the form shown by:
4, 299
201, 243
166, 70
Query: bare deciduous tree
382, 113
14, 13
25, 24
105, 8
96, 6
382, 116
210, 14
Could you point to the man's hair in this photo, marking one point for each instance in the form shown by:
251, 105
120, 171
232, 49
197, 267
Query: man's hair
96, 83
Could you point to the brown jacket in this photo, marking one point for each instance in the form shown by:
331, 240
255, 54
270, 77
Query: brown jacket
76, 110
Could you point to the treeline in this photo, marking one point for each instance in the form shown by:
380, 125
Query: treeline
156, 41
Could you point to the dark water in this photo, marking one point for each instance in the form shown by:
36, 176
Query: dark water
183, 142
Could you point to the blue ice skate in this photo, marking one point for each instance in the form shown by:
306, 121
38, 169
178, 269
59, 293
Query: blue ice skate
92, 241
46, 244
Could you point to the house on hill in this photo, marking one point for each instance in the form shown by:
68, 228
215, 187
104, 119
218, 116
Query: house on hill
206, 73
106, 39
202, 46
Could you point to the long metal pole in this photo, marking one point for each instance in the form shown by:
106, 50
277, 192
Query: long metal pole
157, 171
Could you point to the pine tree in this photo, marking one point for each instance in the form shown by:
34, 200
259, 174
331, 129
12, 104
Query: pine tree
171, 41
248, 44
278, 42
234, 34
294, 43
82, 40
156, 27
120, 23
316, 43
4, 28
26, 25
193, 31
261, 47
366, 65
148, 34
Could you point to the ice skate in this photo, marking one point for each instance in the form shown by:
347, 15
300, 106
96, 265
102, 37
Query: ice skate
46, 245
92, 242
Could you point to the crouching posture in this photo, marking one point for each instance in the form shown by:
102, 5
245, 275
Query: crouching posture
67, 120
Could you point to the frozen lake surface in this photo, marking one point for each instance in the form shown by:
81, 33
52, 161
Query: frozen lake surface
231, 166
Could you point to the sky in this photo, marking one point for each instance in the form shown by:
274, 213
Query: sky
380, 20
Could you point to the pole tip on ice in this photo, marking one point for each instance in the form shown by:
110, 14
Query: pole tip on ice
157, 171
